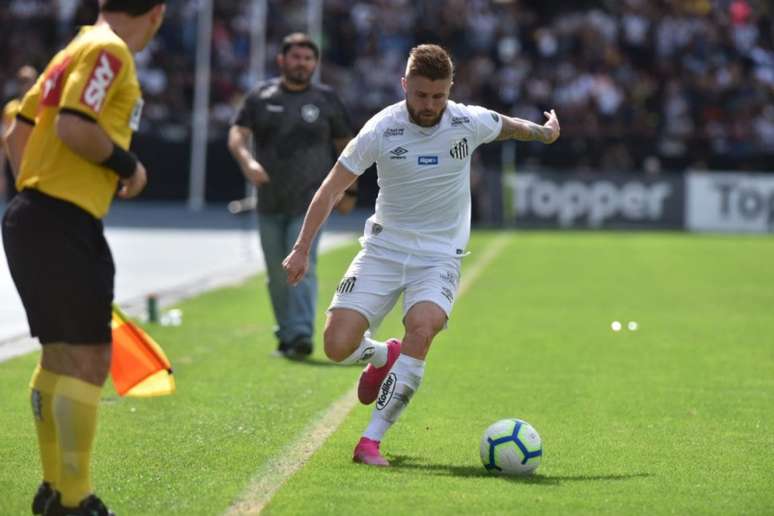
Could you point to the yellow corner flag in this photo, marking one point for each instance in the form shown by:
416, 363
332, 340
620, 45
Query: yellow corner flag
139, 366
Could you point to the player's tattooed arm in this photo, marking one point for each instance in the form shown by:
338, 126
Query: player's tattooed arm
526, 131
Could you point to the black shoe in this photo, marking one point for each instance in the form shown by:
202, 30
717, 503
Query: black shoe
300, 348
41, 497
282, 349
89, 506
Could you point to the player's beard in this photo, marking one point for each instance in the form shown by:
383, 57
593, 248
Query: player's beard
424, 118
298, 76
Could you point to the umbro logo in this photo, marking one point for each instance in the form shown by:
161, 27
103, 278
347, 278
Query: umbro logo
398, 153
460, 149
346, 285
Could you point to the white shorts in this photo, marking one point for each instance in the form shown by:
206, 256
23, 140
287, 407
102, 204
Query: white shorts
377, 276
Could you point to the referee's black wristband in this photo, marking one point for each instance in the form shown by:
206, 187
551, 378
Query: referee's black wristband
121, 162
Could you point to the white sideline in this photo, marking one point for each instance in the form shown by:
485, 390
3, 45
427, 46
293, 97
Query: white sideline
283, 466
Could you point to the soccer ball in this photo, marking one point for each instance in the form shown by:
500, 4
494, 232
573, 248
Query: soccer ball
511, 447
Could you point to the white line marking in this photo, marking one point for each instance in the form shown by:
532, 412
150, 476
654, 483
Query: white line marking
279, 469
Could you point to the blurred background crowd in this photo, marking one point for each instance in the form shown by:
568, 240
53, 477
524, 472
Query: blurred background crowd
653, 85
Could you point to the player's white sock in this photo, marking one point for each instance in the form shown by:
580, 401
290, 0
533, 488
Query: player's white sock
395, 393
369, 351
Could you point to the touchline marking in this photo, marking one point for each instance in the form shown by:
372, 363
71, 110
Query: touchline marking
283, 466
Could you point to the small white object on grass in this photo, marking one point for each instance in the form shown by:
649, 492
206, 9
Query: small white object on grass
632, 325
615, 326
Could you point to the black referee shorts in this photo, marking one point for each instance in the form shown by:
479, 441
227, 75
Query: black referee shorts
62, 267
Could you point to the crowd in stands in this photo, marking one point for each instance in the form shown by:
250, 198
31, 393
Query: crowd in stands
637, 84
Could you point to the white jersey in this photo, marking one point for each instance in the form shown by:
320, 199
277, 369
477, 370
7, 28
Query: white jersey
423, 174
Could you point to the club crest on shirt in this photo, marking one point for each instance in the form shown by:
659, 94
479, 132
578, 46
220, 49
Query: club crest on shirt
460, 149
310, 113
346, 285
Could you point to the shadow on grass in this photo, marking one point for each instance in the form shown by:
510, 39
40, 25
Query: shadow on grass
317, 362
404, 462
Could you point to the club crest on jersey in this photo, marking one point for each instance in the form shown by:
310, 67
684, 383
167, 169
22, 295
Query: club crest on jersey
460, 149
346, 285
102, 76
310, 113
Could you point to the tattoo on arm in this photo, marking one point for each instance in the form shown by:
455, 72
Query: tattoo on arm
523, 130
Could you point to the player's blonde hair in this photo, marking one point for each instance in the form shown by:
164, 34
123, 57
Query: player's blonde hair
430, 61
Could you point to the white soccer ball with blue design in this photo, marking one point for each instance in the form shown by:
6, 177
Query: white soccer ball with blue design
511, 447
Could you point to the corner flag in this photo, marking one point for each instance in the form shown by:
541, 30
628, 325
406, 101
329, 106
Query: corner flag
139, 366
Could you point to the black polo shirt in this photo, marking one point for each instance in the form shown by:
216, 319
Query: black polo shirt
293, 135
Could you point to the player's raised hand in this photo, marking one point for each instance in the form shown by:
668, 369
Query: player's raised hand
296, 264
132, 186
553, 126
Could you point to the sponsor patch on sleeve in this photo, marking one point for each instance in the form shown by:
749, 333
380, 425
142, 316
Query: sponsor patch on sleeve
99, 81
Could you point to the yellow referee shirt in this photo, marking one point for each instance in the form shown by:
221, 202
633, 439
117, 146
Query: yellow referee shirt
94, 77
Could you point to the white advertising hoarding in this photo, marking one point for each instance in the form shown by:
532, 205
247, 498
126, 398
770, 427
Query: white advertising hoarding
730, 202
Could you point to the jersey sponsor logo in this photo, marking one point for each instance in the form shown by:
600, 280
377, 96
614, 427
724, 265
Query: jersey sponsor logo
387, 388
427, 160
102, 76
393, 131
346, 285
460, 149
457, 121
310, 113
398, 153
134, 120
274, 108
52, 85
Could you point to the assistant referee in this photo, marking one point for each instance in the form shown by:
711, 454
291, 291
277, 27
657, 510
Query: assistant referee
68, 147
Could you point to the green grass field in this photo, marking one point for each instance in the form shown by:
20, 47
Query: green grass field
675, 418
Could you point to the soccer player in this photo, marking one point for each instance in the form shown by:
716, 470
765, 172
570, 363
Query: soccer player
294, 125
414, 242
25, 79
68, 146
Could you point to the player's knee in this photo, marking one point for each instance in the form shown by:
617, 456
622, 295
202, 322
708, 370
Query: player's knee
93, 367
422, 334
338, 344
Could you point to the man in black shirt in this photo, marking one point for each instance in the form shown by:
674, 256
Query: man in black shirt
295, 127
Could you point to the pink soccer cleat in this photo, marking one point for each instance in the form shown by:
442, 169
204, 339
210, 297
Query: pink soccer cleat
367, 452
372, 377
